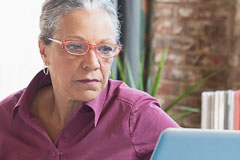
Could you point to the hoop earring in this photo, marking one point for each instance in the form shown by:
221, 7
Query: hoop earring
45, 70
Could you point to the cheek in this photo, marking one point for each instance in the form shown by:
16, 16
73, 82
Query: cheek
106, 65
61, 64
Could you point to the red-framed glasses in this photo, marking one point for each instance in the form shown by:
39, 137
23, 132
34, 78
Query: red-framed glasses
80, 48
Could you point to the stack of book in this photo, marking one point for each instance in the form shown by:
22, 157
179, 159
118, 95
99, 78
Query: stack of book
221, 110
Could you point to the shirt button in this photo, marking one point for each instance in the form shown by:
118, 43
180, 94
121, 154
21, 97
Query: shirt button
54, 154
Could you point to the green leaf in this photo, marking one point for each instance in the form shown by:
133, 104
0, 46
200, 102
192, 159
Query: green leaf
130, 75
140, 73
150, 72
121, 70
112, 74
189, 90
189, 109
180, 115
159, 72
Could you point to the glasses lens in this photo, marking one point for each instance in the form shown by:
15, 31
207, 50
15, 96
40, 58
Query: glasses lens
107, 50
76, 47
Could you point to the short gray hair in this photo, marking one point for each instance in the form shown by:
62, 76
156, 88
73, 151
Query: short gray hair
52, 10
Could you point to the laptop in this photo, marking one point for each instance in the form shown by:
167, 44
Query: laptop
197, 144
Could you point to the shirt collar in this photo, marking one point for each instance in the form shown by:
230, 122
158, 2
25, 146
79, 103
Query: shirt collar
41, 80
97, 104
23, 104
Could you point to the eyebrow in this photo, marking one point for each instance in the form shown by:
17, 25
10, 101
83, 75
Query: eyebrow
77, 37
82, 39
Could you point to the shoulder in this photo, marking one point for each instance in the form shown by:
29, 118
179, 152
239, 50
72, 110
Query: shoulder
146, 119
8, 103
122, 92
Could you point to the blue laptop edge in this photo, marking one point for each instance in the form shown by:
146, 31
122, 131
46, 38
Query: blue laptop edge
197, 144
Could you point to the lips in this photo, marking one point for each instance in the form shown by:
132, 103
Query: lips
88, 80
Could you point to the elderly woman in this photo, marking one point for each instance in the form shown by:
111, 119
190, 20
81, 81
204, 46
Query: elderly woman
72, 110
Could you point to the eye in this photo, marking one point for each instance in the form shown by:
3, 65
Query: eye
105, 48
76, 47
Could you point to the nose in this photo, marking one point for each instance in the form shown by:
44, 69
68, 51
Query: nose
91, 60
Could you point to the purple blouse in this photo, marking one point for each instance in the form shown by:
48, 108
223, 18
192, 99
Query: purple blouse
120, 124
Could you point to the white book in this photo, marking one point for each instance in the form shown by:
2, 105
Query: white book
212, 106
225, 110
221, 109
230, 108
205, 111
216, 111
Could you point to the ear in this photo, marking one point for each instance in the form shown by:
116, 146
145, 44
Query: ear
43, 52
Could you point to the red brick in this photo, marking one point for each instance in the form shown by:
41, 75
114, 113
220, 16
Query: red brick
191, 121
236, 46
187, 101
180, 74
186, 12
233, 60
164, 26
212, 1
209, 85
236, 77
178, 27
221, 77
168, 88
183, 44
170, 1
164, 11
217, 45
215, 29
173, 58
190, 102
192, 28
205, 60
237, 21
222, 12
205, 12
193, 1
235, 86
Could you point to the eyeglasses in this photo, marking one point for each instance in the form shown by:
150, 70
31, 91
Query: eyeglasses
80, 48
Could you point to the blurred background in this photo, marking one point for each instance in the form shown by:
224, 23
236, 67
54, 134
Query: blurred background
19, 57
191, 39
202, 37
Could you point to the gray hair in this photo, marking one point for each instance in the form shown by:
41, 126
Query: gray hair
52, 10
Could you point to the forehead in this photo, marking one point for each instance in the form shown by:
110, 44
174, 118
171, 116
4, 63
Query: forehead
92, 25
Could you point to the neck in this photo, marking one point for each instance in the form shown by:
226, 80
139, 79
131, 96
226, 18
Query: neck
62, 109
54, 106
53, 110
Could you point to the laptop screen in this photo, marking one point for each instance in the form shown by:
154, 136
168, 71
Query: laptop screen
197, 144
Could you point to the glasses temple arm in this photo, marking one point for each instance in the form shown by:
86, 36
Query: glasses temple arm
56, 41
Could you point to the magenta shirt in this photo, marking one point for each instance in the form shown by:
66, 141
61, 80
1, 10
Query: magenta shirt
120, 124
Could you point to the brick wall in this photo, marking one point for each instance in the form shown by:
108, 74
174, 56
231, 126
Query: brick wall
234, 80
204, 35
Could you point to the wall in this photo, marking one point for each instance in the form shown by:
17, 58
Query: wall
204, 36
234, 79
19, 58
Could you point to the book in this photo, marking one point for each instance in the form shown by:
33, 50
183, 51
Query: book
205, 111
230, 109
212, 109
220, 110
236, 111
216, 110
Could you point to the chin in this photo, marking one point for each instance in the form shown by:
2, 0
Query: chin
88, 95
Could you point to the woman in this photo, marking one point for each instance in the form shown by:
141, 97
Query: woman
72, 110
